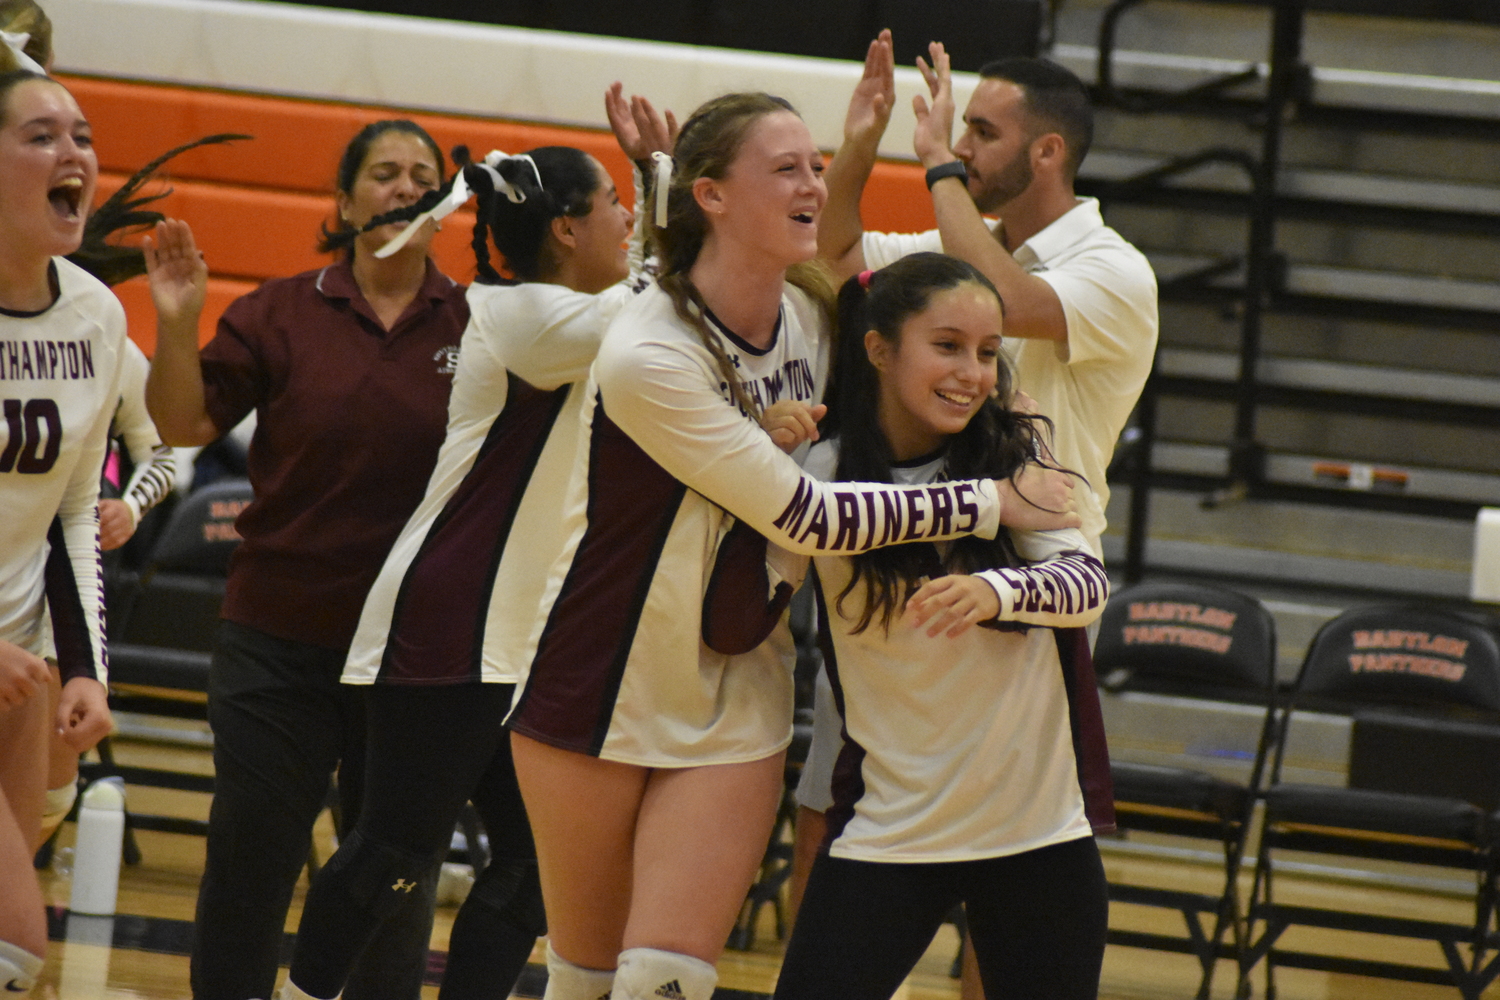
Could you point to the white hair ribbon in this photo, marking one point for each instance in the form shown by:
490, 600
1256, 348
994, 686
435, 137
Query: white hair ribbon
16, 42
461, 193
492, 163
662, 186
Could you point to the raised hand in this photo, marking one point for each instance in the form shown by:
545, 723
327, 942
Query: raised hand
178, 275
792, 421
933, 136
875, 95
639, 128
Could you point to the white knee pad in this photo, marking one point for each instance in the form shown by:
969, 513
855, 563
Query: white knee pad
566, 981
59, 804
18, 969
652, 974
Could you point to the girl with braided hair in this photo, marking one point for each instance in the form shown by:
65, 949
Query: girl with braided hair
651, 763
442, 638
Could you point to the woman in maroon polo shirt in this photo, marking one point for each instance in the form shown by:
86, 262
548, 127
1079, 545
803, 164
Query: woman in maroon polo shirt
348, 370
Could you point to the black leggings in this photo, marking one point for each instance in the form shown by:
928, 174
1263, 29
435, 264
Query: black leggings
430, 750
1037, 920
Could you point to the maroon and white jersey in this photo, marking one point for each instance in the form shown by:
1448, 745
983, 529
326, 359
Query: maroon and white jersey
456, 598
59, 383
957, 749
620, 669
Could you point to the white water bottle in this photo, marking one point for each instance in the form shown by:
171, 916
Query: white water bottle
96, 854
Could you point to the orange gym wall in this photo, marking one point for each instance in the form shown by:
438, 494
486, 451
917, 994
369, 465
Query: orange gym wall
255, 206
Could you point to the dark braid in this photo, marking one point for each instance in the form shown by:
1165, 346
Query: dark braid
484, 196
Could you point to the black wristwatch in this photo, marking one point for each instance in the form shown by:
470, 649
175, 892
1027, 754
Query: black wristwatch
953, 168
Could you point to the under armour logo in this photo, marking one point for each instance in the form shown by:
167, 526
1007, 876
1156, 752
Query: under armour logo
404, 885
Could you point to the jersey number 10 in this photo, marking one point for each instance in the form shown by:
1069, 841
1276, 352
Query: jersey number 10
34, 436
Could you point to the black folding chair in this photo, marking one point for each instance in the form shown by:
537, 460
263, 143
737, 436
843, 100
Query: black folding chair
1421, 688
1201, 642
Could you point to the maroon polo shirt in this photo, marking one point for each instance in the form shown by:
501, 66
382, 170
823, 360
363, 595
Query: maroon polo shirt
349, 421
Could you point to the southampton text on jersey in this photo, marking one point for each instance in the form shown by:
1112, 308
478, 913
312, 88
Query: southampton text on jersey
46, 359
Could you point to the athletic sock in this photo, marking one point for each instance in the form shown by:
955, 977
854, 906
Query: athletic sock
566, 981
653, 974
18, 969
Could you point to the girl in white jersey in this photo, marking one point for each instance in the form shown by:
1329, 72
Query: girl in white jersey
61, 339
441, 640
973, 767
650, 764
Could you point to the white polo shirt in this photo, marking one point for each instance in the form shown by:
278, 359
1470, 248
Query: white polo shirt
1088, 384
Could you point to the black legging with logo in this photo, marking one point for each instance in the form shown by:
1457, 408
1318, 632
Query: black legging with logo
430, 749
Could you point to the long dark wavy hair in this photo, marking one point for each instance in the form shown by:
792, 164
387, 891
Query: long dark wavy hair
996, 443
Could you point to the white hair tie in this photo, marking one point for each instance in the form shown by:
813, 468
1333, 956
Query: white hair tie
491, 164
461, 193
662, 186
16, 42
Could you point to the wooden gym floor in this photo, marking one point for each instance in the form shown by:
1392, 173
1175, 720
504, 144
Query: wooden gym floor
141, 953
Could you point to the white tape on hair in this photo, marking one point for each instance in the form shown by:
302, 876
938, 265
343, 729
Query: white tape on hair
662, 186
16, 42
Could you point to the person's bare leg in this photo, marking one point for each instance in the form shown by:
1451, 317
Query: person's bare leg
969, 986
24, 733
583, 814
699, 842
23, 921
62, 766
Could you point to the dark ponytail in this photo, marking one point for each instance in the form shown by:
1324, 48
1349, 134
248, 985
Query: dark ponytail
520, 229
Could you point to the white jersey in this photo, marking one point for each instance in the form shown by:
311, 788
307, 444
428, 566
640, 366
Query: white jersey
1089, 384
620, 668
59, 383
456, 598
960, 748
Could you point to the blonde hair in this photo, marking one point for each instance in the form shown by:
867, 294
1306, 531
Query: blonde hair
706, 146
24, 17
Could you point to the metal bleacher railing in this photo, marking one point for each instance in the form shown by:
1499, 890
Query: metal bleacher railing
1264, 278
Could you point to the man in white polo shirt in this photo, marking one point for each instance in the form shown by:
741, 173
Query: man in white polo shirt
1080, 302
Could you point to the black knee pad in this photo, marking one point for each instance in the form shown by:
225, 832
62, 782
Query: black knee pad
379, 875
513, 890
